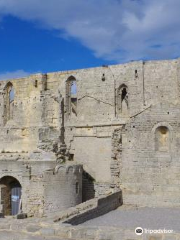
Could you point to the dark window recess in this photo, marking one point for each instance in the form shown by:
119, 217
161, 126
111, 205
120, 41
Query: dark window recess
136, 74
71, 157
88, 189
124, 94
36, 83
122, 100
77, 188
103, 77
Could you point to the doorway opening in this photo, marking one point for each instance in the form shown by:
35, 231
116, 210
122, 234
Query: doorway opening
10, 195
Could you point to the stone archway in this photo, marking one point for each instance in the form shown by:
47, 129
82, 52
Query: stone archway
10, 195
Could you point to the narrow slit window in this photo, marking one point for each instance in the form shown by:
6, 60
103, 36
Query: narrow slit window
36, 83
77, 188
122, 100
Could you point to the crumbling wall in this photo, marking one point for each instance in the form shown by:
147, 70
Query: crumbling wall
101, 135
88, 135
34, 108
116, 162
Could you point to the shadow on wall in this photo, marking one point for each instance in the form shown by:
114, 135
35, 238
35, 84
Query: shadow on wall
88, 191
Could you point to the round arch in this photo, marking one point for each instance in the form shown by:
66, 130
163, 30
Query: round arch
10, 195
71, 96
162, 135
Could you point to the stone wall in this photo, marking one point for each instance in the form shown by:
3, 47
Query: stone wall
96, 208
150, 163
111, 133
62, 188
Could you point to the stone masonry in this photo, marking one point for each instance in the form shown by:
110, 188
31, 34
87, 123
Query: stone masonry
70, 136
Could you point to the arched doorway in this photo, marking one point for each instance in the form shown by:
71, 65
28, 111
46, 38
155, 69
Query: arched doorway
10, 195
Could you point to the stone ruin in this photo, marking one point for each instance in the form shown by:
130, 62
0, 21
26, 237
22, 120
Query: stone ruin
67, 137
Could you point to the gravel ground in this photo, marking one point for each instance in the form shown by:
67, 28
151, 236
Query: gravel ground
149, 218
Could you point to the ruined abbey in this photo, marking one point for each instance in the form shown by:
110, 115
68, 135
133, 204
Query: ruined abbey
67, 137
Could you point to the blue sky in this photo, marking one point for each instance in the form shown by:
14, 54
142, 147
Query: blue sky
23, 45
46, 36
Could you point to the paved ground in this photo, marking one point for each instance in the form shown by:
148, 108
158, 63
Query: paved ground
149, 218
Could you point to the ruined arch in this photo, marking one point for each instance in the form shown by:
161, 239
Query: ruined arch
71, 96
9, 95
122, 103
10, 195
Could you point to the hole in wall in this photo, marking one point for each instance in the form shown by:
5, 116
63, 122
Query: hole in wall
136, 74
77, 188
88, 188
103, 77
36, 83
71, 157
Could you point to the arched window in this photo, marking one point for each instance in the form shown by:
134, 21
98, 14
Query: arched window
71, 96
9, 102
162, 139
36, 83
122, 100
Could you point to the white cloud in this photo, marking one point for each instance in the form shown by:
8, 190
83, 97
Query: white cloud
121, 30
15, 74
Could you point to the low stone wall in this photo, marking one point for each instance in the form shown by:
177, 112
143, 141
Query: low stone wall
102, 206
88, 210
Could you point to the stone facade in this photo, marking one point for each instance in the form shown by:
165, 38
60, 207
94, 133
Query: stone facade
120, 122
